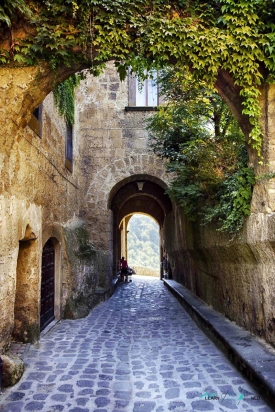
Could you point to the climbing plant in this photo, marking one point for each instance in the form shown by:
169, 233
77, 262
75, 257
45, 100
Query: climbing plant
237, 36
206, 151
64, 98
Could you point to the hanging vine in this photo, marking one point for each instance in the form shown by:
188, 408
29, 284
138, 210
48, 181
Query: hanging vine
64, 98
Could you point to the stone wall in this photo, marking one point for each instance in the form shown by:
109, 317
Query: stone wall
234, 276
114, 147
40, 199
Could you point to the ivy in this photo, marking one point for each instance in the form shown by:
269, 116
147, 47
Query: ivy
206, 152
64, 98
233, 200
234, 35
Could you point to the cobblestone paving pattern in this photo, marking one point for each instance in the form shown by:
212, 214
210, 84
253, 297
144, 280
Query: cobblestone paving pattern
137, 352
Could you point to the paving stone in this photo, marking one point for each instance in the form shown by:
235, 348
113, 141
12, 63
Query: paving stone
57, 408
170, 384
177, 407
123, 395
102, 392
40, 396
85, 383
16, 396
120, 404
102, 401
143, 394
202, 406
193, 394
65, 388
39, 376
60, 397
34, 406
172, 393
137, 352
229, 404
192, 384
13, 407
25, 385
100, 410
103, 384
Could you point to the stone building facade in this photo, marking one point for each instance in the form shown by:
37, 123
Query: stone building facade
61, 218
66, 219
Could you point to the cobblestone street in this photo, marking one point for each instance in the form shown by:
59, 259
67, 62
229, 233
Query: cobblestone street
137, 352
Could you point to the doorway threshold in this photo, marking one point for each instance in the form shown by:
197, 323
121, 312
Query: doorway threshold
49, 327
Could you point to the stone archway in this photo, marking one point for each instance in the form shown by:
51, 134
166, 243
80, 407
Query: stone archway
125, 231
26, 307
137, 194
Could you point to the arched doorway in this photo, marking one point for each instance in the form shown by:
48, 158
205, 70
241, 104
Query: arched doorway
47, 284
137, 194
26, 302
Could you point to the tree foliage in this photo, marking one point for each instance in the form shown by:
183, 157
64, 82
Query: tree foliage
234, 35
206, 150
143, 242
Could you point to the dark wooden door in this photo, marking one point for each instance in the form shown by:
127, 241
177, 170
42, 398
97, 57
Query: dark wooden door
47, 285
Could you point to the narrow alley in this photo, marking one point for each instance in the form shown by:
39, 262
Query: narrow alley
137, 352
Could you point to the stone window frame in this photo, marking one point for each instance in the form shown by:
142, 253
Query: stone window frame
35, 122
69, 147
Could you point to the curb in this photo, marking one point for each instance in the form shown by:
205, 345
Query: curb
254, 358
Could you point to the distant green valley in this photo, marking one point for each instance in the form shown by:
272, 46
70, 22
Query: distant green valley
143, 242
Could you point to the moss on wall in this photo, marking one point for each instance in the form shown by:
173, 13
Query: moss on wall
88, 271
27, 333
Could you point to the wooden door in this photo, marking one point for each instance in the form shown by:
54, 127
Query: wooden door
47, 285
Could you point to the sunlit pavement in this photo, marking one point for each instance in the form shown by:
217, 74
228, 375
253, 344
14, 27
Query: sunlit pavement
139, 351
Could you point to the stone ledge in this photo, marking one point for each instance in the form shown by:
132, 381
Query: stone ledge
254, 358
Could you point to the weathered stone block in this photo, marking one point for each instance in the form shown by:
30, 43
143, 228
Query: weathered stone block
13, 369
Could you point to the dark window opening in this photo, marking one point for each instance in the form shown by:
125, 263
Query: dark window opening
36, 121
69, 147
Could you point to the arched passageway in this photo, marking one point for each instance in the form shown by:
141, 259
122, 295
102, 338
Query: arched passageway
143, 244
137, 194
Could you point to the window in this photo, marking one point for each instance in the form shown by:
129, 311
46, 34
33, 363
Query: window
69, 147
36, 121
143, 97
148, 94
